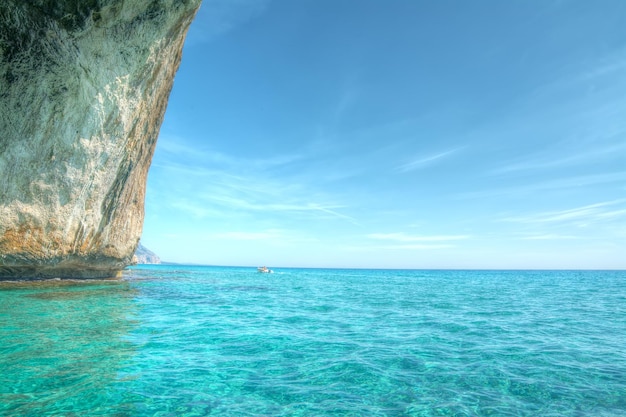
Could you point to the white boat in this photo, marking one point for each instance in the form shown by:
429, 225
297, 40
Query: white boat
264, 270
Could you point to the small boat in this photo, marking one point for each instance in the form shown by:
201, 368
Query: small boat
264, 270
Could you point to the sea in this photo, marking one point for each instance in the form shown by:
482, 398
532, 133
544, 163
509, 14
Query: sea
173, 340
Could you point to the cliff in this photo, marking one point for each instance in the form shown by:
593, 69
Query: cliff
144, 255
83, 90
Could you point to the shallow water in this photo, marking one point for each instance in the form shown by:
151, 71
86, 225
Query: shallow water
195, 341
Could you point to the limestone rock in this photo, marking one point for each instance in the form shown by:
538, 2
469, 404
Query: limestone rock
83, 90
144, 255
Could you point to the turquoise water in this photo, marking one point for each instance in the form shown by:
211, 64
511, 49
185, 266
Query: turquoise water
197, 341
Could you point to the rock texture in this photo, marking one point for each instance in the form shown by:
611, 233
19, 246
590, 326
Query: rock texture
83, 90
144, 255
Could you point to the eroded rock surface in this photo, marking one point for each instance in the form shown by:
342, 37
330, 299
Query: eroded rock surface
83, 90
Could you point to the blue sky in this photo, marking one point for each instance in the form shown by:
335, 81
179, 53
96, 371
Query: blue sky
396, 134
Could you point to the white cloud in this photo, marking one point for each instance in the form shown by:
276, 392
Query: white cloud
193, 208
418, 247
580, 181
581, 216
364, 247
587, 156
403, 242
548, 237
612, 64
237, 235
402, 237
202, 182
422, 161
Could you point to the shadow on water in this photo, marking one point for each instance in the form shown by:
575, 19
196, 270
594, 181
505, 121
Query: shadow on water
64, 346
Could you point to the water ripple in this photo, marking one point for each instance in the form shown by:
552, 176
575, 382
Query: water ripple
197, 341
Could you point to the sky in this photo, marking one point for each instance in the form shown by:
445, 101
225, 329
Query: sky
396, 134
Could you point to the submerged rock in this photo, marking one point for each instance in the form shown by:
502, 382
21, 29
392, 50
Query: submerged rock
83, 90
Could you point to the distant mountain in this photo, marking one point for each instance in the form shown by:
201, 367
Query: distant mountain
144, 255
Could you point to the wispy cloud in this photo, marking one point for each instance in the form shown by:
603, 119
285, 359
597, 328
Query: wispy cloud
549, 236
204, 183
581, 216
346, 100
217, 17
542, 185
366, 247
403, 237
194, 209
257, 198
604, 71
610, 66
333, 212
174, 149
262, 235
268, 235
424, 160
418, 247
586, 156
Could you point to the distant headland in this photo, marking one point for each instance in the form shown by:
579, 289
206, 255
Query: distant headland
83, 91
145, 256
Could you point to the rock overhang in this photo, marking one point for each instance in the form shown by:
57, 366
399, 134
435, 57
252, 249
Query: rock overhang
83, 90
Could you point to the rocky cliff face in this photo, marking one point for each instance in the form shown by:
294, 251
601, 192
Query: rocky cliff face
144, 256
83, 90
